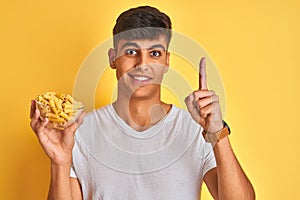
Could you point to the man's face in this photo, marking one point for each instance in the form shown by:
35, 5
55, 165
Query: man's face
140, 65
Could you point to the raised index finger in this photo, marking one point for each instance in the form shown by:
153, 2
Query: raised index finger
202, 74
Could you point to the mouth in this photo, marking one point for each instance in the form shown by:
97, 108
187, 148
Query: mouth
140, 78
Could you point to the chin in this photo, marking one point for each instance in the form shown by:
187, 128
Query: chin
143, 93
140, 96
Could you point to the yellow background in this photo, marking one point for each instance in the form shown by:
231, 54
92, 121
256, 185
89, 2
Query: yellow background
255, 45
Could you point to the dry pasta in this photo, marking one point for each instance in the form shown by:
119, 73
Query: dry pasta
60, 109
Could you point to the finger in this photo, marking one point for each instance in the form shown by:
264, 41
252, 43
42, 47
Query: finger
73, 127
41, 126
192, 108
207, 100
32, 108
203, 93
208, 110
189, 103
202, 74
35, 119
80, 118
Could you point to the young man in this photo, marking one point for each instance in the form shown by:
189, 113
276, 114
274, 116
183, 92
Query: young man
140, 147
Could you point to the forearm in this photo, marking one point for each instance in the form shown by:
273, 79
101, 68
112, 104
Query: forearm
232, 181
60, 187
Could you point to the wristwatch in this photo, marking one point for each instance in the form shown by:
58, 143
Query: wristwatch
216, 137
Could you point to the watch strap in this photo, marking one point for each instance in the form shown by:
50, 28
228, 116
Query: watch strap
216, 137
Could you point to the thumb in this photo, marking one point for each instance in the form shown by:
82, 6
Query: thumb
189, 101
72, 128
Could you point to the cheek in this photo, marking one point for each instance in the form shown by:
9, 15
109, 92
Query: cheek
120, 73
160, 69
159, 74
122, 68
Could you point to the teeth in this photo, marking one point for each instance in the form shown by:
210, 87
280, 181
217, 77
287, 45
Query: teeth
141, 78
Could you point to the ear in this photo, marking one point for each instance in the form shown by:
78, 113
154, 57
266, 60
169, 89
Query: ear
112, 57
167, 62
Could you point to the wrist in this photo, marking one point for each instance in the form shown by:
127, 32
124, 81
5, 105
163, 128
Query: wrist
60, 170
215, 137
215, 127
61, 164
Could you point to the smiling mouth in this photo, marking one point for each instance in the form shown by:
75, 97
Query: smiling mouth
140, 78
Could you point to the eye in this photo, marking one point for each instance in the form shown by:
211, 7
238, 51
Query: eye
131, 52
155, 53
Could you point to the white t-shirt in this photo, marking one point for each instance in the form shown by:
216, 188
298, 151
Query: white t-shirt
167, 161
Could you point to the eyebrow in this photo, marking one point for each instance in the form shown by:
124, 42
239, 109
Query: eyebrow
158, 46
133, 44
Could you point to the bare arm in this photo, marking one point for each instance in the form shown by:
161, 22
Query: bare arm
58, 146
227, 180
60, 185
76, 189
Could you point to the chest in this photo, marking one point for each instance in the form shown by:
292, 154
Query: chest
180, 179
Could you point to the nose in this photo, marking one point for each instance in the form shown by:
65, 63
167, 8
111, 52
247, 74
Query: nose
143, 60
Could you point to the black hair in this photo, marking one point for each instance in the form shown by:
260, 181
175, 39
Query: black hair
143, 22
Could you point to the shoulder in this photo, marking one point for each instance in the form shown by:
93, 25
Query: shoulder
180, 120
186, 122
99, 113
180, 115
96, 118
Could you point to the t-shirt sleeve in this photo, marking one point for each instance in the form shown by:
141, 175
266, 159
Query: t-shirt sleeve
74, 152
72, 172
209, 160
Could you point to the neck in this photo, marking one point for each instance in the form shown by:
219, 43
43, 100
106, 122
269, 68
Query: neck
139, 113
